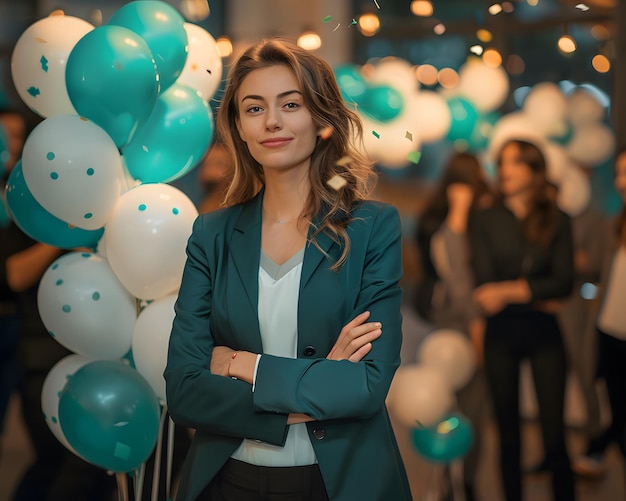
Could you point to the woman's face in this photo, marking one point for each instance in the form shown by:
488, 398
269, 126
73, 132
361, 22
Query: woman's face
273, 120
514, 176
620, 176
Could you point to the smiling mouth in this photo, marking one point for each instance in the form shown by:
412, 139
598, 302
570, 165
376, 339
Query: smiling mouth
275, 143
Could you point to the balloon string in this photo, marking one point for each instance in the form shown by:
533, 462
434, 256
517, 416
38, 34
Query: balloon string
139, 476
122, 486
170, 458
156, 476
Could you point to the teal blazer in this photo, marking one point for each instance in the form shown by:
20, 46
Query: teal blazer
217, 306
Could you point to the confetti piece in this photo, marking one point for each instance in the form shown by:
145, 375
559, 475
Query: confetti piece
353, 22
337, 27
336, 182
414, 157
582, 7
376, 3
343, 161
327, 19
326, 132
409, 136
376, 134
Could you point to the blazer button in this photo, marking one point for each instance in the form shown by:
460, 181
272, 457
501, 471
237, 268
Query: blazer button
309, 351
319, 433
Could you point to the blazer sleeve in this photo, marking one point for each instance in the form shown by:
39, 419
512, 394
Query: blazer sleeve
329, 389
195, 397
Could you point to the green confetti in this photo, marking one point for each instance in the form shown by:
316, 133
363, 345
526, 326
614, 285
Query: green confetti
353, 22
327, 19
376, 134
414, 157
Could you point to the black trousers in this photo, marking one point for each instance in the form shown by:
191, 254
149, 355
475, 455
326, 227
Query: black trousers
612, 367
510, 338
239, 481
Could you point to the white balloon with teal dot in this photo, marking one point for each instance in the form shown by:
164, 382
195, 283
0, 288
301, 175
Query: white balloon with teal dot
146, 237
86, 308
74, 170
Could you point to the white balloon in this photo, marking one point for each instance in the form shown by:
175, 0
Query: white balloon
38, 63
558, 161
450, 352
85, 307
485, 87
146, 237
574, 194
391, 143
203, 67
73, 169
546, 106
151, 337
591, 144
51, 390
583, 108
432, 117
419, 396
394, 72
516, 125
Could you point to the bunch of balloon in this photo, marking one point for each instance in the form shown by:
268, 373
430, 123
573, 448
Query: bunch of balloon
125, 110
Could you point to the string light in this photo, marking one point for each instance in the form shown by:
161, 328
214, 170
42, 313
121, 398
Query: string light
369, 24
309, 40
423, 8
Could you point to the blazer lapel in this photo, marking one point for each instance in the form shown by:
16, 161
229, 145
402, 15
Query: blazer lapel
313, 256
245, 250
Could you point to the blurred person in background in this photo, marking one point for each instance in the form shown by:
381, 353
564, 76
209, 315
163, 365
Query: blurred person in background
444, 295
523, 261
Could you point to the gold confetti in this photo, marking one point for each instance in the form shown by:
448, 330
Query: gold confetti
376, 3
376, 134
337, 27
326, 132
336, 182
409, 136
343, 161
414, 157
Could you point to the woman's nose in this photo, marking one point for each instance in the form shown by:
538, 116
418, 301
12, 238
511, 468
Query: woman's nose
272, 120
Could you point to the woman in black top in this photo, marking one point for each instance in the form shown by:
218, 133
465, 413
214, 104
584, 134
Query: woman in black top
522, 257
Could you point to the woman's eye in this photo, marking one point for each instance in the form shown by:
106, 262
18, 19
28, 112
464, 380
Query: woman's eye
292, 105
254, 109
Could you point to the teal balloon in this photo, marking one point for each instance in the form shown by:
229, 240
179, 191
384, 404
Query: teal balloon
351, 83
162, 27
109, 414
173, 140
111, 79
483, 129
464, 117
38, 223
381, 103
446, 441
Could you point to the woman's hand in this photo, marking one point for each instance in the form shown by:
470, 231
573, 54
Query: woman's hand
220, 360
490, 298
355, 339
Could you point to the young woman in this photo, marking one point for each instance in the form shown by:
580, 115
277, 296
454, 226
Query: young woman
277, 353
444, 294
611, 326
522, 255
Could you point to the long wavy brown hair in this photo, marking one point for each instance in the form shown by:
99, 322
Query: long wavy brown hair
331, 208
539, 224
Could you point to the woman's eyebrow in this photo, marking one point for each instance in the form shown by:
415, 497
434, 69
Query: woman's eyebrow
280, 96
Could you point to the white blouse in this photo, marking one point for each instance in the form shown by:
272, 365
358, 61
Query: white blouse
278, 322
